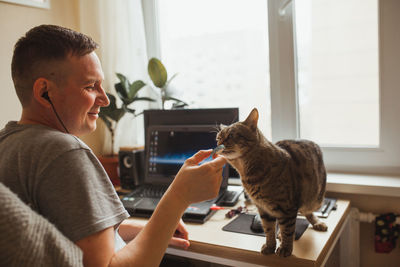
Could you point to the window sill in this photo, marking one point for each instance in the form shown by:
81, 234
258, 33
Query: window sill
357, 184
364, 184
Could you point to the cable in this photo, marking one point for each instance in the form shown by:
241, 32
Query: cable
58, 117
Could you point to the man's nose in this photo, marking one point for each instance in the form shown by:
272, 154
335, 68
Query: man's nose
102, 99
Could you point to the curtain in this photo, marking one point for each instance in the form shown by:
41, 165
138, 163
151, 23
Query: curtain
118, 27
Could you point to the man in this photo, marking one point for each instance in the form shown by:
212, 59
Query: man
28, 239
58, 80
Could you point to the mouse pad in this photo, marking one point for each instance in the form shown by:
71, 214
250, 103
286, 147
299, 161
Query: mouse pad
243, 222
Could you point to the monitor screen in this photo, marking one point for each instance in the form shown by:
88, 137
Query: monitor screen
209, 119
170, 145
205, 116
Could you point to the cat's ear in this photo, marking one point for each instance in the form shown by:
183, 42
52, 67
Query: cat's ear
252, 119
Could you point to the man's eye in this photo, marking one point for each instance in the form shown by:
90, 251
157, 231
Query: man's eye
89, 87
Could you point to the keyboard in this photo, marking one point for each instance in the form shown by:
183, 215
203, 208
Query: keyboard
150, 191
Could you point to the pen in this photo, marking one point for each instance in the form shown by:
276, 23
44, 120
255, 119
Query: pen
215, 207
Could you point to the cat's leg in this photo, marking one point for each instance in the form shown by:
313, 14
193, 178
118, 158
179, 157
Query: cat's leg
287, 226
316, 223
269, 224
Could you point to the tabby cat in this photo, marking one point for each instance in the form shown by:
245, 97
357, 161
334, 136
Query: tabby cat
281, 179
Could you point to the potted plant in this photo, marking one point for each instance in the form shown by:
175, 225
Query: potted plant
111, 115
159, 77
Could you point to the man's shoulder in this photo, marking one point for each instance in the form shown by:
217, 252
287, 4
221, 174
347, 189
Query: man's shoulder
57, 138
42, 136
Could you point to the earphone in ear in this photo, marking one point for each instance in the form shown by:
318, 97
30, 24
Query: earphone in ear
45, 95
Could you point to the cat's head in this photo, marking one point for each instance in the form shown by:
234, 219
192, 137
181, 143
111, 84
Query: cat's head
239, 136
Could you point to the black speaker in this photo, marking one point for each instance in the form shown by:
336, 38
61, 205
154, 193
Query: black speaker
131, 168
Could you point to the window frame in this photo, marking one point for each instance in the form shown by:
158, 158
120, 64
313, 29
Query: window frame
283, 83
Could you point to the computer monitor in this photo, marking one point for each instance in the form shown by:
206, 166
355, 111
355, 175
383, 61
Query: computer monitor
205, 117
170, 145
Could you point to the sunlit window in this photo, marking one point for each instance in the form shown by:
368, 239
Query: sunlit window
220, 51
338, 71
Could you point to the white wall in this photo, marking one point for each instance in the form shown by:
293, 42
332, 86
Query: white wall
15, 20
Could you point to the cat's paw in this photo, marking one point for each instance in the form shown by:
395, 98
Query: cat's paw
267, 250
284, 252
320, 226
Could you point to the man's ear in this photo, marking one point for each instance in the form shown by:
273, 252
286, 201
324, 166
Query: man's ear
40, 90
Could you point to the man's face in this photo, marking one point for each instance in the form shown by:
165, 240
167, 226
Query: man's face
80, 94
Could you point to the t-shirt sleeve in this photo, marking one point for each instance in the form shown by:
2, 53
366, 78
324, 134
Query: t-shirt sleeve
75, 193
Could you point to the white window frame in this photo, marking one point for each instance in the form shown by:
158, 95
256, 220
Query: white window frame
283, 81
39, 4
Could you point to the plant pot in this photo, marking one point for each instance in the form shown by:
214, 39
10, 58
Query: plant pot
110, 165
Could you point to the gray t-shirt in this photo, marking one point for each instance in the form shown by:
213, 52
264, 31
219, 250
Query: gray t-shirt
60, 178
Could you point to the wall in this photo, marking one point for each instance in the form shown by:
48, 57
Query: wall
15, 21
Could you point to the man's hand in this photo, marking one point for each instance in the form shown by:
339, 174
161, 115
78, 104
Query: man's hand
194, 182
129, 229
181, 236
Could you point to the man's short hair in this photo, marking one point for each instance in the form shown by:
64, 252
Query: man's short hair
41, 46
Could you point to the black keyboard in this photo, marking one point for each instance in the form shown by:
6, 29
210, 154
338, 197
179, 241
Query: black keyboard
150, 191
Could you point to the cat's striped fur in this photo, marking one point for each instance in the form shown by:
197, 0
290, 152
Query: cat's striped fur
281, 179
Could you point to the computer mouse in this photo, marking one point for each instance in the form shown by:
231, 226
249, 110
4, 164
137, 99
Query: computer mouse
256, 225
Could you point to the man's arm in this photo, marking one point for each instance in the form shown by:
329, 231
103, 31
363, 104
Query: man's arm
146, 249
129, 229
97, 248
193, 183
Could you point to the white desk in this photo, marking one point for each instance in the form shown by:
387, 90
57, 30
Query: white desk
210, 243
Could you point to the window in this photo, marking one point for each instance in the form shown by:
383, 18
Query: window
337, 70
331, 75
220, 54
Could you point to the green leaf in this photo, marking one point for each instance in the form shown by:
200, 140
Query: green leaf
121, 77
169, 81
134, 88
122, 92
175, 99
178, 105
116, 114
157, 72
129, 110
106, 121
113, 102
111, 111
144, 99
124, 81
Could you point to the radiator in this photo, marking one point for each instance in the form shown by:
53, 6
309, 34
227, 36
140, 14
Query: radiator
350, 240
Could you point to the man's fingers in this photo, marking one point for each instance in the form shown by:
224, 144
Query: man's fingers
219, 162
179, 242
199, 156
181, 230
